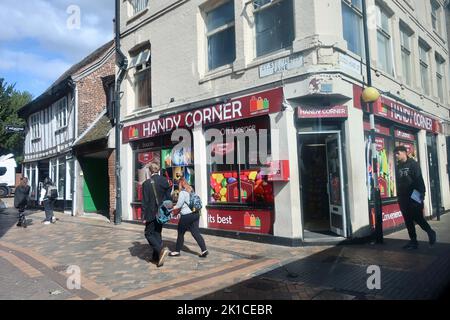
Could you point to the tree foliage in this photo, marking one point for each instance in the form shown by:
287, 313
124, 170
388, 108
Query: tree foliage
11, 101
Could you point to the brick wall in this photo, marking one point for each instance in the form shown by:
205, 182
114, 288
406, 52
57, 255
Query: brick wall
92, 95
112, 185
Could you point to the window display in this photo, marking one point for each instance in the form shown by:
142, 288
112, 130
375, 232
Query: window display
407, 139
241, 180
385, 160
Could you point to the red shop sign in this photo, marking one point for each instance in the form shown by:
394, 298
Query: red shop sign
397, 112
308, 112
254, 105
404, 135
392, 216
379, 129
252, 221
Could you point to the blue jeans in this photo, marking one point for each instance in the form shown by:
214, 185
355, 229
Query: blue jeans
48, 207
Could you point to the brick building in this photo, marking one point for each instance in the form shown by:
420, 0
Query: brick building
68, 137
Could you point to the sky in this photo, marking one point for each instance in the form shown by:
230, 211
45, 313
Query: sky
41, 39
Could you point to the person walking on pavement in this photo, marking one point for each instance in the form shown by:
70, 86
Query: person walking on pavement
189, 220
21, 197
155, 190
48, 197
411, 195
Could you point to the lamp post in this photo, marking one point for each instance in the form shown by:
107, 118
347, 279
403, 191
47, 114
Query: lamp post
370, 95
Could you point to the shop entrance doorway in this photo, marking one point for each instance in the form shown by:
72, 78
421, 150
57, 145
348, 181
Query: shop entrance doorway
322, 187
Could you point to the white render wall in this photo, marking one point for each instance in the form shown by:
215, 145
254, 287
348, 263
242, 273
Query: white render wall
176, 31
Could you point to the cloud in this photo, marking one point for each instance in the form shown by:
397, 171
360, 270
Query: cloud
32, 64
51, 24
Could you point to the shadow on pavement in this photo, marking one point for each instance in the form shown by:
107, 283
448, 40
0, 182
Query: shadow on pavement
144, 252
341, 273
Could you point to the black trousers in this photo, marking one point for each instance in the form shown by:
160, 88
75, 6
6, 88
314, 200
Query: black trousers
21, 214
48, 207
413, 213
189, 222
153, 231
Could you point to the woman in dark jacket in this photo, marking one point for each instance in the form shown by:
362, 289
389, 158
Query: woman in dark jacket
21, 197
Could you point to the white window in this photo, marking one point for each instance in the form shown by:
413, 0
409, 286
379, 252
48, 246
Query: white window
141, 61
440, 76
221, 35
384, 41
36, 126
274, 24
424, 68
405, 40
138, 5
436, 16
61, 182
353, 25
61, 113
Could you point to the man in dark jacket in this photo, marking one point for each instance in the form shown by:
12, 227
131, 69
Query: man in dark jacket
21, 197
411, 195
150, 205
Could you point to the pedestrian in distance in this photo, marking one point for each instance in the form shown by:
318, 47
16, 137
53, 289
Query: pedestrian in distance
49, 194
411, 196
189, 220
21, 198
155, 191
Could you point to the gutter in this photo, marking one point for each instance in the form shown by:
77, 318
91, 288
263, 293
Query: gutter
122, 64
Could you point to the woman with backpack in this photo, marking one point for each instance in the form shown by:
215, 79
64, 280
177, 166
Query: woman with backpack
189, 220
21, 197
49, 194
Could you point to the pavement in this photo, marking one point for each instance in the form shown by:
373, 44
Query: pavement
89, 259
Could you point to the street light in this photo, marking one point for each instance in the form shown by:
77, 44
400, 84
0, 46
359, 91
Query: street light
370, 95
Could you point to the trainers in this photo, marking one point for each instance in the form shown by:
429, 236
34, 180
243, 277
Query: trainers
432, 237
53, 219
204, 254
174, 254
162, 257
411, 245
46, 222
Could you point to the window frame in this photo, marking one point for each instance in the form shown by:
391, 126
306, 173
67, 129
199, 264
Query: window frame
141, 63
386, 34
406, 52
268, 6
135, 10
424, 48
61, 113
440, 74
217, 30
35, 125
357, 12
436, 16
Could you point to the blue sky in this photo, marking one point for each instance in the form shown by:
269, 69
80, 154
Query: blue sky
40, 39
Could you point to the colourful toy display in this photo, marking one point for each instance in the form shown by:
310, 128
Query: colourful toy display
223, 187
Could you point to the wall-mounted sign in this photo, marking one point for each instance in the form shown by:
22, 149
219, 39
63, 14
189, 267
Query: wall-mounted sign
339, 111
246, 107
397, 112
252, 221
14, 129
349, 64
400, 134
392, 216
280, 65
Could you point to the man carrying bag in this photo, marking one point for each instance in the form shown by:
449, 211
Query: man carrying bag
154, 191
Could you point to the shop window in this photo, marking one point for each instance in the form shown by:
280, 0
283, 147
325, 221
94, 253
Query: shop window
235, 164
407, 139
353, 25
221, 35
274, 23
386, 162
61, 177
175, 162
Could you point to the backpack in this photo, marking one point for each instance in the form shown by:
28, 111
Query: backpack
195, 203
164, 214
52, 193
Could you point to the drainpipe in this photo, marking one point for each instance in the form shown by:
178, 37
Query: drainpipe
122, 64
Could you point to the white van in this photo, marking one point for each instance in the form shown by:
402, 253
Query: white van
7, 175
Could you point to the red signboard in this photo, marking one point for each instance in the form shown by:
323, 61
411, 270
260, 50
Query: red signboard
397, 112
246, 107
252, 221
404, 135
392, 216
308, 112
379, 129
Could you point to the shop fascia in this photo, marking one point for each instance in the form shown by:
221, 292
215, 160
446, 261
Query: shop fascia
259, 104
